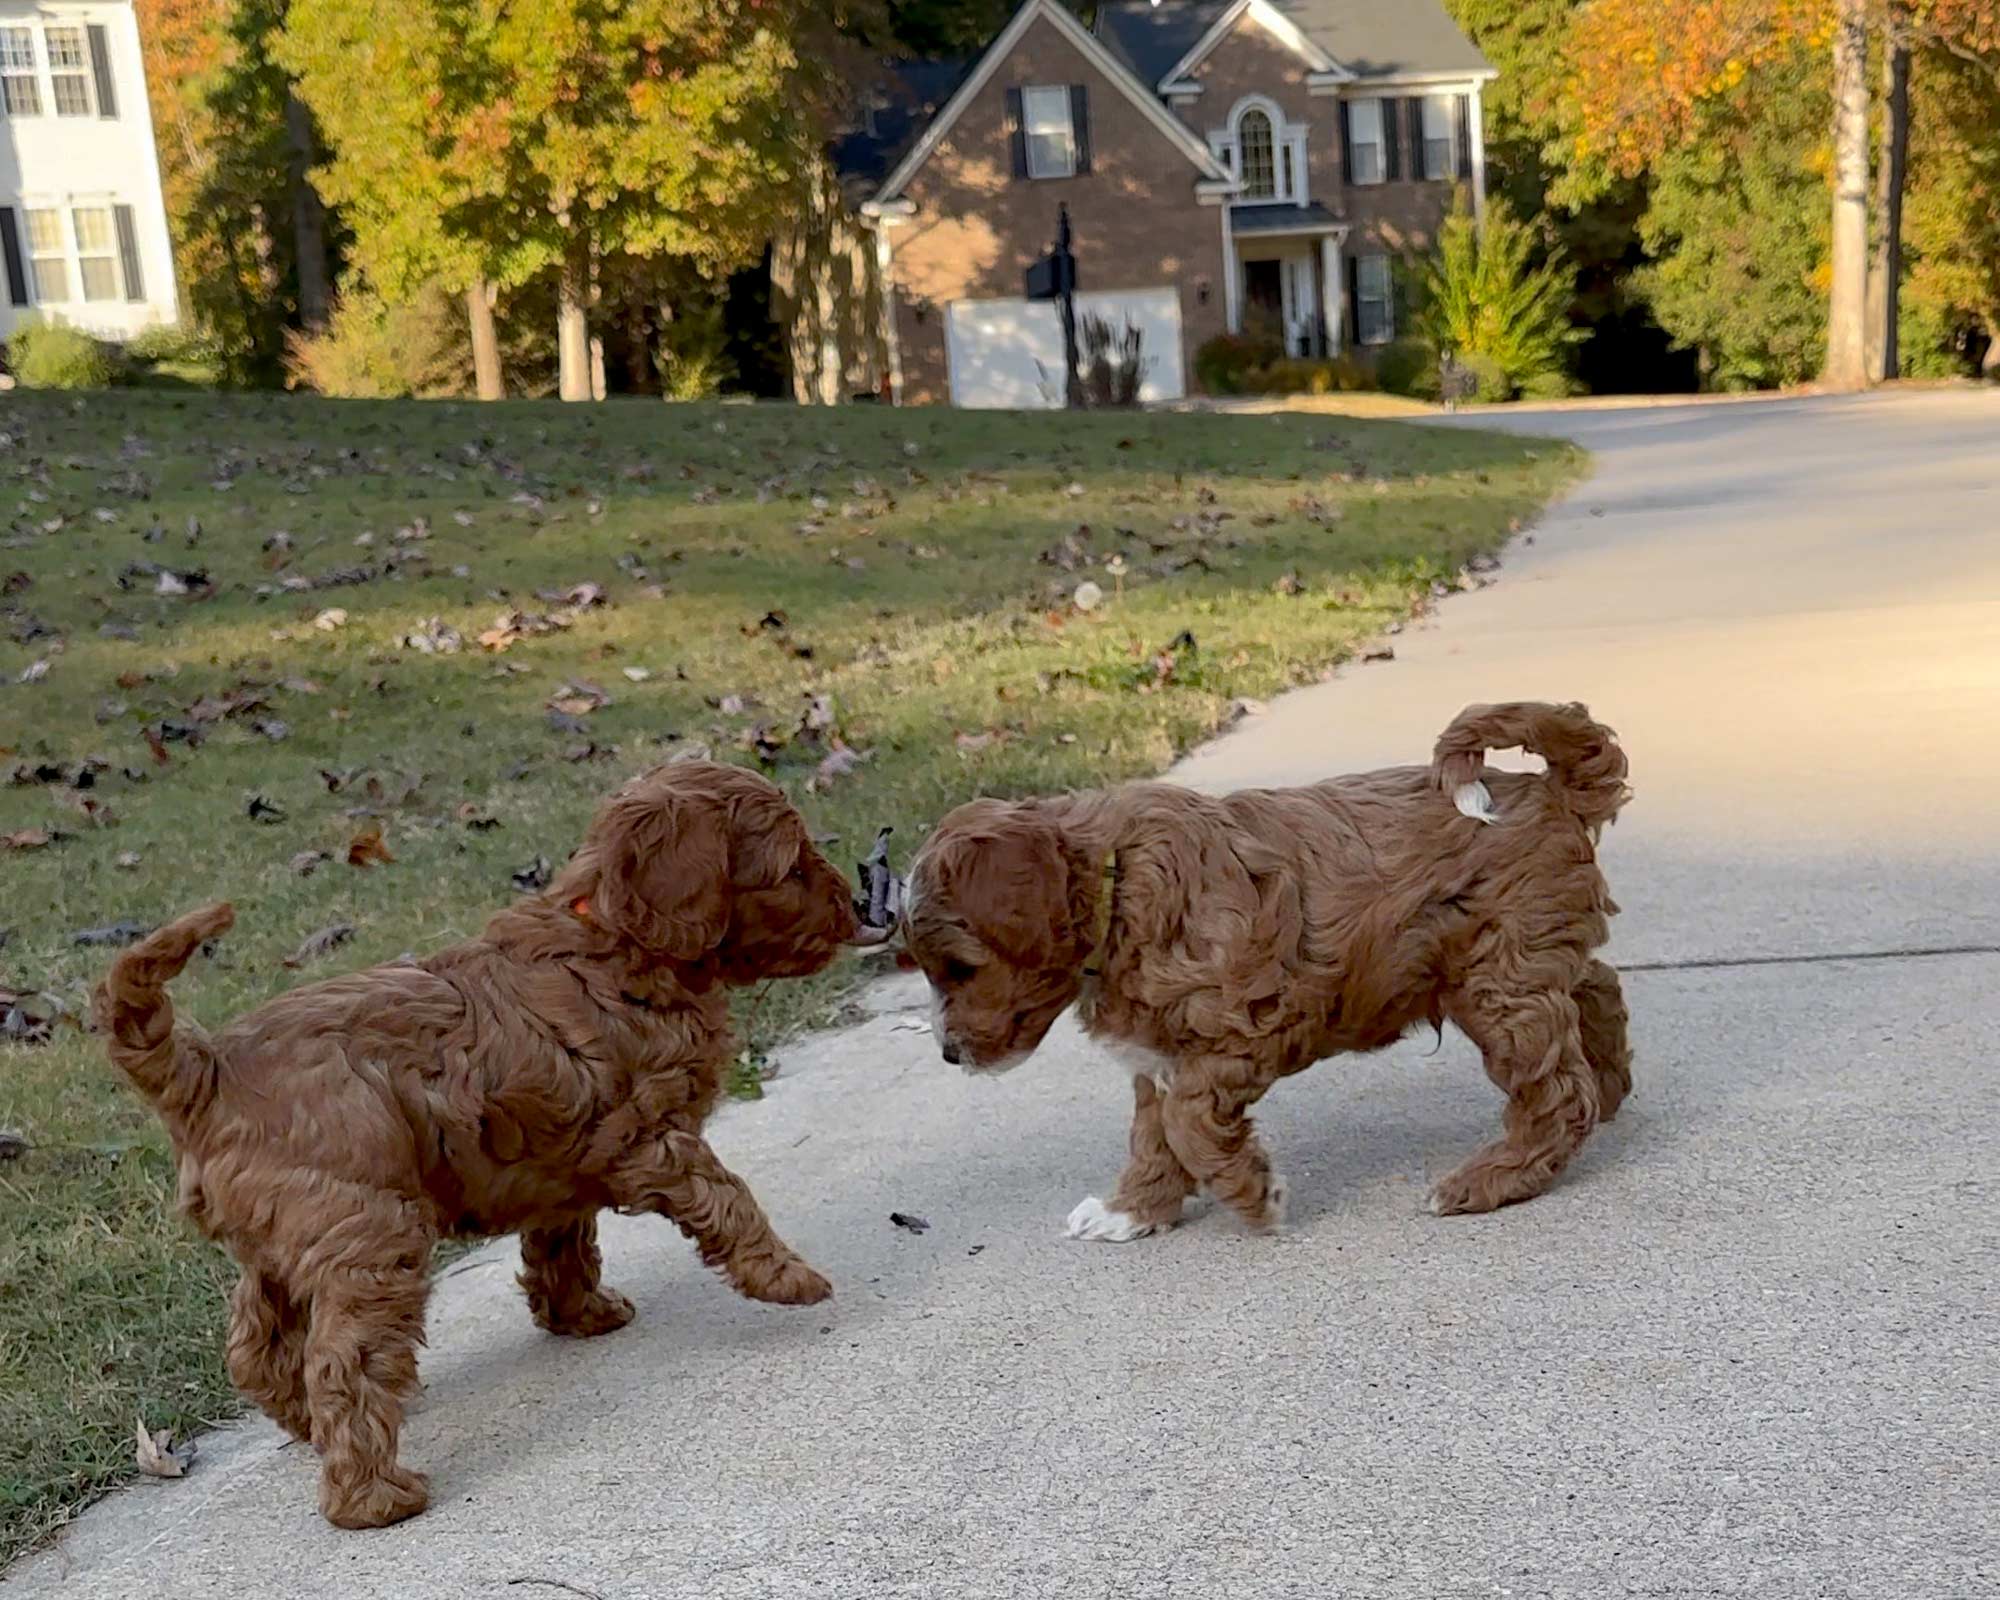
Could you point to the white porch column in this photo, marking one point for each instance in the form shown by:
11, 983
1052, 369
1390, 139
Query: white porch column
1330, 289
1232, 294
891, 340
1478, 121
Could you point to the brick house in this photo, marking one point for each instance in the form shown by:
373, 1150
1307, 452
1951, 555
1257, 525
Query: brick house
1227, 164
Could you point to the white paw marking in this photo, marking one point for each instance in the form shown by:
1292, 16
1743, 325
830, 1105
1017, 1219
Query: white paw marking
1091, 1220
1274, 1203
1475, 801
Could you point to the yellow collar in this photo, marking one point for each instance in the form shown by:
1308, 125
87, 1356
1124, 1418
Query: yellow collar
1107, 893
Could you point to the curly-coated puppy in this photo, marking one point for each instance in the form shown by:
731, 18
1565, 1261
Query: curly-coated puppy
1219, 944
563, 1061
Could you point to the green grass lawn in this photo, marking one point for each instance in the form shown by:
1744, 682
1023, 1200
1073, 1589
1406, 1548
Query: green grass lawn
234, 620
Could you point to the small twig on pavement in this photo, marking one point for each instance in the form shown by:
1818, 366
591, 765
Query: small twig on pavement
557, 1583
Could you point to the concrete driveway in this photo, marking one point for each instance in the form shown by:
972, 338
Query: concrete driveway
1746, 1348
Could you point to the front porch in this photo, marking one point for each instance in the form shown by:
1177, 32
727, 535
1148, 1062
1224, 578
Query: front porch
1287, 276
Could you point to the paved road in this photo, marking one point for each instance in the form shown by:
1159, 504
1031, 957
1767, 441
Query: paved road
1746, 1349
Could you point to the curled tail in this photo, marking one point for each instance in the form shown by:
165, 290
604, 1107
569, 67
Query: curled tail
172, 1066
1585, 763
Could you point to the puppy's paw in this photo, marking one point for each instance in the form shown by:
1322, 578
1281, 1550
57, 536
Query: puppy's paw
1276, 1195
1094, 1221
789, 1283
375, 1502
604, 1311
1463, 1193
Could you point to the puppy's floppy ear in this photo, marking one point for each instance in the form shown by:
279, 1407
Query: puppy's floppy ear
766, 837
663, 876
1023, 889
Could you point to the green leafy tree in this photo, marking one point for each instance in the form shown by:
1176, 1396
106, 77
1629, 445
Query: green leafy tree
482, 143
1952, 216
1740, 231
1485, 304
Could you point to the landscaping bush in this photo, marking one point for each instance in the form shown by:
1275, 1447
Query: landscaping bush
376, 349
1234, 363
1112, 362
1407, 367
53, 355
1500, 316
1224, 364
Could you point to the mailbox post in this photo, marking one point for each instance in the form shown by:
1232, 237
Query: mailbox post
1054, 278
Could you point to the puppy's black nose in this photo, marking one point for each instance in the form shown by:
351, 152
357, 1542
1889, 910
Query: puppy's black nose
952, 1053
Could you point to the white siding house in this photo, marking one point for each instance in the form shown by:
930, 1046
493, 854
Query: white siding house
83, 227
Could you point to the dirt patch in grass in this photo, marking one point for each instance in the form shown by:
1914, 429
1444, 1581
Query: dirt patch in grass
366, 667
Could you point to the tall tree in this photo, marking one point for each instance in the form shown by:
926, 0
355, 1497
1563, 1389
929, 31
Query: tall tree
1885, 278
1847, 308
551, 138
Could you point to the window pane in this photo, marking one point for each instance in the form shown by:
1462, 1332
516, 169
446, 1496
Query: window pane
93, 230
100, 278
1364, 125
66, 50
1051, 149
51, 280
22, 96
1260, 156
17, 50
45, 232
1440, 136
72, 95
1373, 311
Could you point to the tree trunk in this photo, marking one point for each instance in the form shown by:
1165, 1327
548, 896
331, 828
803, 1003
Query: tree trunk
485, 343
1885, 283
1847, 314
573, 331
308, 218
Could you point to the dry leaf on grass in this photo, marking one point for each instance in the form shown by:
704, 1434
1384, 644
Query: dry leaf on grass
260, 809
307, 860
126, 860
367, 848
323, 943
158, 1456
13, 1144
28, 839
116, 934
477, 818
535, 875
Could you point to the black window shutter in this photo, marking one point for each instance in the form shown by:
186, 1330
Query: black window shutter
1392, 154
1017, 132
1351, 313
1462, 108
10, 252
1079, 125
1346, 142
100, 66
128, 253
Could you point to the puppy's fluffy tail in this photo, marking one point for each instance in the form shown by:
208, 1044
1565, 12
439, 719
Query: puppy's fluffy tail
173, 1067
1585, 763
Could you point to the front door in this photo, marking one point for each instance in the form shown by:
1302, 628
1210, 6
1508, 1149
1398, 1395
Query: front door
1264, 299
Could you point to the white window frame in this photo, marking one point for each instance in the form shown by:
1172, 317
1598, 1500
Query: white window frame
1373, 106
1290, 177
105, 253
1046, 126
23, 78
39, 254
1243, 173
1444, 107
1382, 297
82, 72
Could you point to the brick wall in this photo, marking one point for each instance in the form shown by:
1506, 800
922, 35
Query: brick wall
1137, 221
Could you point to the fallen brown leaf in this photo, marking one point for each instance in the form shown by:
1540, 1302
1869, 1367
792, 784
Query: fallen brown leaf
158, 1456
366, 848
27, 839
306, 861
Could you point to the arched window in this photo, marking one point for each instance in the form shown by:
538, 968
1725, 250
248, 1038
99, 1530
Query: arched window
1257, 148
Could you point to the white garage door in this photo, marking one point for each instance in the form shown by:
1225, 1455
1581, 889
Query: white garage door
1008, 354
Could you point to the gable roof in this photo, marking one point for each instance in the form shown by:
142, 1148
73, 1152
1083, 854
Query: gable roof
1088, 46
897, 106
1369, 38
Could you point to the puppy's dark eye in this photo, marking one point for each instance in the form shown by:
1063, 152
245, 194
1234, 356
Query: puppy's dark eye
956, 971
797, 874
